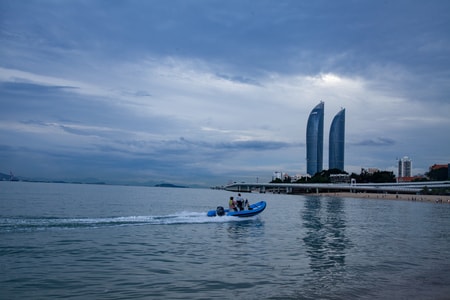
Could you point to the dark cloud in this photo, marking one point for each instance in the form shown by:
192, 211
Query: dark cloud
287, 36
61, 105
27, 88
239, 79
376, 142
253, 145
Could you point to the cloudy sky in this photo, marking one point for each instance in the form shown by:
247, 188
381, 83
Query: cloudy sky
204, 91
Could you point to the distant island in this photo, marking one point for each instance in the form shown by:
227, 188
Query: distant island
8, 177
12, 177
170, 185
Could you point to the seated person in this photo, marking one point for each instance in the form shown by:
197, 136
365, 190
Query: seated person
232, 204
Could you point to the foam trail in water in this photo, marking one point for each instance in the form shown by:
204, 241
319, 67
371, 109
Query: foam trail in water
36, 223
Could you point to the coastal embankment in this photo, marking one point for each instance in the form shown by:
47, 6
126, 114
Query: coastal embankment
401, 197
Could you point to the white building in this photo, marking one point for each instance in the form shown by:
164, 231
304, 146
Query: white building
404, 167
277, 175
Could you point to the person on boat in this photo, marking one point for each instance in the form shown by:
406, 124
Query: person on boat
232, 204
246, 205
240, 202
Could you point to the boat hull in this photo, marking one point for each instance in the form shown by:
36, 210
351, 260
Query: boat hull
255, 209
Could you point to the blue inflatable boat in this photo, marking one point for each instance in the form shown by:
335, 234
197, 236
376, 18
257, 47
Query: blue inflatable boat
253, 210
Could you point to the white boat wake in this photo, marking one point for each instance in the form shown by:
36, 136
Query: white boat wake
44, 223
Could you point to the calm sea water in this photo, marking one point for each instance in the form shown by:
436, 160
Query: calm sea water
114, 242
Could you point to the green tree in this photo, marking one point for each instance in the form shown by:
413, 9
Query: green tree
376, 177
440, 174
287, 179
324, 176
276, 180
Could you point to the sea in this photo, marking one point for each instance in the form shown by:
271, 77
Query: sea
80, 241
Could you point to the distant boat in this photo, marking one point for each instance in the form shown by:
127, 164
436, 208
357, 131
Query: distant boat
253, 210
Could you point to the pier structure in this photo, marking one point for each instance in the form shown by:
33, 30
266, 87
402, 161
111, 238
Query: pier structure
304, 188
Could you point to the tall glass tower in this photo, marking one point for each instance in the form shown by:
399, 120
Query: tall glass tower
337, 142
314, 140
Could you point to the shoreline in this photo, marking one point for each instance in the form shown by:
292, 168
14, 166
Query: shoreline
400, 197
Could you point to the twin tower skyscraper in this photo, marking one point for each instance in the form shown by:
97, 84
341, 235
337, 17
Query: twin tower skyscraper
314, 141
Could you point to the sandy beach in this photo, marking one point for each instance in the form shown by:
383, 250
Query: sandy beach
401, 197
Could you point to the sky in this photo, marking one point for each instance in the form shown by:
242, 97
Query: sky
206, 92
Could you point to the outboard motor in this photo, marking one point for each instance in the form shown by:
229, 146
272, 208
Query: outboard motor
220, 211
